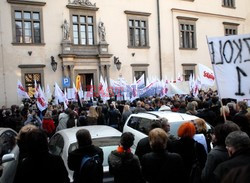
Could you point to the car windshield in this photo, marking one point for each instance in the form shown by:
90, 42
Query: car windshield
107, 144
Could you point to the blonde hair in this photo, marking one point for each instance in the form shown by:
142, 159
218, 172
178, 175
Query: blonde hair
225, 109
92, 112
158, 139
126, 108
200, 125
25, 129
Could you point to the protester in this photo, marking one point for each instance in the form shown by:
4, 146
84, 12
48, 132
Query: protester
160, 165
63, 119
139, 108
33, 119
92, 116
188, 148
238, 174
125, 114
101, 117
48, 124
114, 116
75, 159
219, 153
123, 164
238, 147
40, 166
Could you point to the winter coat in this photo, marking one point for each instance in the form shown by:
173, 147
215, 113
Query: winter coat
239, 158
75, 158
216, 156
43, 168
63, 119
125, 167
185, 147
162, 167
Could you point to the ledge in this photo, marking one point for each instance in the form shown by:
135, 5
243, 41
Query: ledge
188, 49
82, 7
35, 3
139, 47
187, 18
137, 13
31, 66
230, 23
139, 65
28, 44
188, 64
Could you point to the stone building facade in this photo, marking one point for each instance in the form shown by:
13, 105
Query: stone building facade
153, 37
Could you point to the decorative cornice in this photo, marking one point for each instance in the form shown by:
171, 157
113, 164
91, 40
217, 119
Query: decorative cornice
188, 64
82, 4
230, 23
139, 65
137, 13
35, 3
31, 66
186, 18
105, 55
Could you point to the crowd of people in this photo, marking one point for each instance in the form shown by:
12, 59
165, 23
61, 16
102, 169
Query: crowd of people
160, 157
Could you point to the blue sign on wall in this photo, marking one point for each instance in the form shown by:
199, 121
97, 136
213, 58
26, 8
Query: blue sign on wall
66, 82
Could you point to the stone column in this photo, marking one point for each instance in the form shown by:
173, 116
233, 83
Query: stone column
108, 74
71, 74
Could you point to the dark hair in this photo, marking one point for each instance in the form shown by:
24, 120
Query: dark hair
83, 138
221, 131
127, 140
37, 142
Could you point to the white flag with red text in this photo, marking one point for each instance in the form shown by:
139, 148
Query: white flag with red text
41, 101
206, 75
21, 91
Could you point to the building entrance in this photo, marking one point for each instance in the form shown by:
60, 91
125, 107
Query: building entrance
86, 80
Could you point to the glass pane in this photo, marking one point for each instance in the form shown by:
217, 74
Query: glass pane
83, 41
91, 41
76, 41
90, 20
143, 24
27, 25
186, 27
137, 37
143, 37
130, 23
192, 27
187, 42
27, 39
18, 25
75, 18
36, 16
18, 14
27, 32
137, 23
131, 36
83, 19
182, 39
27, 15
36, 25
83, 28
75, 34
182, 26
75, 27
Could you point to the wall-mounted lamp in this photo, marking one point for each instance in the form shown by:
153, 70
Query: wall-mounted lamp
133, 54
30, 53
117, 63
53, 64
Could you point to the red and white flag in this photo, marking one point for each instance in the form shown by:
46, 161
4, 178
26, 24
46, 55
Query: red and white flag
141, 82
206, 75
41, 101
36, 89
21, 91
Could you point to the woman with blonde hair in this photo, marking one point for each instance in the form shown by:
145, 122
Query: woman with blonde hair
92, 116
125, 114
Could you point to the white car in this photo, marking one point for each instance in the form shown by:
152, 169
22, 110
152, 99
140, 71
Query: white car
8, 155
105, 137
139, 124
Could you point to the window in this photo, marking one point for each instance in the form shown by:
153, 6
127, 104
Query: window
137, 29
187, 30
29, 79
83, 30
56, 145
137, 33
27, 26
228, 3
7, 142
188, 69
138, 70
230, 28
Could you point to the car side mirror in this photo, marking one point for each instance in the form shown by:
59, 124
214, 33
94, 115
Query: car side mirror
8, 157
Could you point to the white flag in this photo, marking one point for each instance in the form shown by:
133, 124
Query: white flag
141, 82
206, 75
41, 101
21, 91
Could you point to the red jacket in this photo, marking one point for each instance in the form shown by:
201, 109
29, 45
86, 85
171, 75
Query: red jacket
48, 125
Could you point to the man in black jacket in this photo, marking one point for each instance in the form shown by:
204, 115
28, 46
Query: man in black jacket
238, 147
86, 149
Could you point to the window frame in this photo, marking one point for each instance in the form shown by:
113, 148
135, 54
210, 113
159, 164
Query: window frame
190, 22
31, 9
186, 67
141, 17
140, 68
86, 13
230, 26
228, 3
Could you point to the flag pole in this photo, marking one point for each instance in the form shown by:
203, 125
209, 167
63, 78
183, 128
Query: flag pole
217, 85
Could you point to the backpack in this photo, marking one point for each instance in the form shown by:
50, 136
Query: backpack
91, 169
196, 170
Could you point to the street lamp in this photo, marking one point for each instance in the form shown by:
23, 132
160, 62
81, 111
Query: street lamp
53, 64
117, 63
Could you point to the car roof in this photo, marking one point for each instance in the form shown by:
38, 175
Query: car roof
5, 129
171, 116
96, 131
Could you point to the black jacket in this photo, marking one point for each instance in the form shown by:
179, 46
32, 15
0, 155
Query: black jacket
125, 167
162, 167
40, 169
75, 159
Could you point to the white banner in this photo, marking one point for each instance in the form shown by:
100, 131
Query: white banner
230, 57
206, 75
